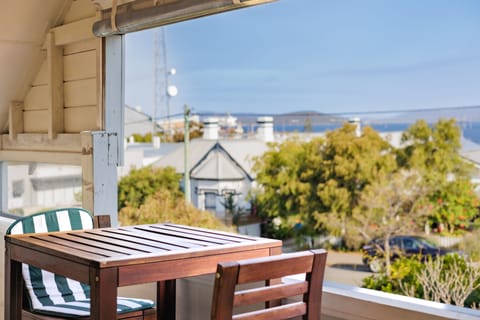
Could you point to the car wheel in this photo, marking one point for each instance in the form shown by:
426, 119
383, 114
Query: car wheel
375, 265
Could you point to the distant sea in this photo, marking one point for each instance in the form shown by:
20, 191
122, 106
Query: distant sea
471, 130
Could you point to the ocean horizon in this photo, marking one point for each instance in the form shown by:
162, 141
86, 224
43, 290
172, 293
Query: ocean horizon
470, 130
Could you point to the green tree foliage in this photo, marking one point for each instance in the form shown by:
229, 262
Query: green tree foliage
313, 186
454, 207
231, 207
433, 151
332, 184
167, 206
288, 174
390, 206
147, 138
350, 163
134, 188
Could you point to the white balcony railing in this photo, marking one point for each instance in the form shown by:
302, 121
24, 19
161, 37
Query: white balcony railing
340, 302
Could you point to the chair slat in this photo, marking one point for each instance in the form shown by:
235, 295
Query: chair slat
262, 294
276, 268
276, 313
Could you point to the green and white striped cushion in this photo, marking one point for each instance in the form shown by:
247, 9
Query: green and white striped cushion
53, 294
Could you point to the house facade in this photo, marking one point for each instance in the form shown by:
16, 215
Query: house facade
220, 168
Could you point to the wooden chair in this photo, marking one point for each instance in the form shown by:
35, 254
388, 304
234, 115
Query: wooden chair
230, 274
50, 296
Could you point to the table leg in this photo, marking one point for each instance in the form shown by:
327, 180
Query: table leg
13, 288
103, 293
166, 299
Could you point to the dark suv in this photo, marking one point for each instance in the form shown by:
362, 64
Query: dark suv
400, 246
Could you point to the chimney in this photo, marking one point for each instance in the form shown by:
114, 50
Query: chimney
210, 129
356, 121
265, 129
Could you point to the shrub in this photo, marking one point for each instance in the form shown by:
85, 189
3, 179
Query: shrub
134, 188
471, 245
402, 278
166, 206
448, 279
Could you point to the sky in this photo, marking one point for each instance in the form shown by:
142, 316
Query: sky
329, 56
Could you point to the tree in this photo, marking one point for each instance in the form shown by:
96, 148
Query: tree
167, 206
316, 184
433, 151
454, 207
350, 163
319, 184
390, 206
287, 176
134, 188
231, 207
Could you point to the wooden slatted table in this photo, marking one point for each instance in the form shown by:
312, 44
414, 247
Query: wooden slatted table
109, 258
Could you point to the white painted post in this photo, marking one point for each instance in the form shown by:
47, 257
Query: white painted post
104, 165
103, 151
114, 91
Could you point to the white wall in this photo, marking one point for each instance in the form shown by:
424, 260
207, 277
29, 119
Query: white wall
241, 188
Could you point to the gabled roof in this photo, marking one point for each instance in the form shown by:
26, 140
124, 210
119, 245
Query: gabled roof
137, 122
239, 153
218, 165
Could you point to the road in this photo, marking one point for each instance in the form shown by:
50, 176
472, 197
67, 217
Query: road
346, 268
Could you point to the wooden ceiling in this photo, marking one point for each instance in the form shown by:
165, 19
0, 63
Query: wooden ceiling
24, 25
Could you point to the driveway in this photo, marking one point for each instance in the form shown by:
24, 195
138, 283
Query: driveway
346, 268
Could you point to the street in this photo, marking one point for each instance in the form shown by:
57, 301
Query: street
346, 268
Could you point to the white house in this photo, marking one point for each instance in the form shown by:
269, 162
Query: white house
219, 167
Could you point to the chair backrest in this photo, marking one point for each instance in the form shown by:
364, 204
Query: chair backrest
269, 270
44, 287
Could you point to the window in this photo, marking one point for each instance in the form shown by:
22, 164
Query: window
210, 201
18, 188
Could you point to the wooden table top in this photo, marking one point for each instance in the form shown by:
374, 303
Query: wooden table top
122, 246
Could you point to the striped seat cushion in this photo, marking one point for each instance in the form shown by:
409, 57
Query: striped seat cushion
54, 294
81, 308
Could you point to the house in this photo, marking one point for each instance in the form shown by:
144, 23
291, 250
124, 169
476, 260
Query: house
138, 122
220, 167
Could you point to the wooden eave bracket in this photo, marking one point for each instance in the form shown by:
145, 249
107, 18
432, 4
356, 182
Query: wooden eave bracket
15, 119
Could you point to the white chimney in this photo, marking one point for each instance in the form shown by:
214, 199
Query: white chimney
356, 121
265, 129
210, 129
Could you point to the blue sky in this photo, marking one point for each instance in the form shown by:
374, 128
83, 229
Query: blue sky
330, 56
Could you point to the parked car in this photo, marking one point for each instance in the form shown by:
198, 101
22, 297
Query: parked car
405, 246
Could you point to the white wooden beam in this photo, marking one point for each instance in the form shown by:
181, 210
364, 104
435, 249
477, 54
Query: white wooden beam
69, 158
74, 32
65, 142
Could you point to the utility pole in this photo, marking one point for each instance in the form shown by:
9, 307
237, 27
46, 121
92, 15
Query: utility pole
160, 66
186, 136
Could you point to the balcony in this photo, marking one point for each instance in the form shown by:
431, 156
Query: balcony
340, 301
